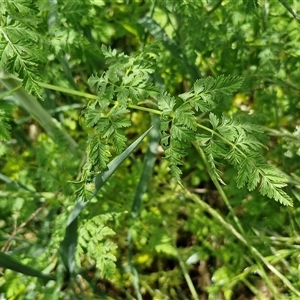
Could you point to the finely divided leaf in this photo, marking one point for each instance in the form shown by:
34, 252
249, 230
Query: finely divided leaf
185, 116
93, 240
181, 133
166, 103
5, 109
98, 153
227, 85
119, 140
237, 144
246, 167
272, 182
92, 117
203, 95
214, 120
21, 51
183, 124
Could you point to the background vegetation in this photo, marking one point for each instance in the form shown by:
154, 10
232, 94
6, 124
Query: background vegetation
196, 207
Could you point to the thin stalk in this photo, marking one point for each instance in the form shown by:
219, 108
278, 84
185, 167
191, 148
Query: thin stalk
222, 138
66, 90
283, 133
219, 188
182, 266
133, 271
150, 110
91, 96
33, 107
17, 229
230, 228
252, 288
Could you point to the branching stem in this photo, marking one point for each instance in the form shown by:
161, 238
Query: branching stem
91, 96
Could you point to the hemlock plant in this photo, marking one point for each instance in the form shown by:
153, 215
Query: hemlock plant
120, 95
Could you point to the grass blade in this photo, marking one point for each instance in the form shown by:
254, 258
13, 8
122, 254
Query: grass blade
149, 160
8, 262
114, 164
34, 108
216, 215
68, 245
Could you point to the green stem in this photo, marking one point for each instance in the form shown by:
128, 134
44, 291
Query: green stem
252, 288
91, 96
182, 266
230, 228
66, 90
150, 110
219, 188
221, 137
33, 107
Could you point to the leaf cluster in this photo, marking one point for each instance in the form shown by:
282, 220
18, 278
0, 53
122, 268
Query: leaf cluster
93, 240
124, 83
228, 139
179, 124
236, 143
21, 44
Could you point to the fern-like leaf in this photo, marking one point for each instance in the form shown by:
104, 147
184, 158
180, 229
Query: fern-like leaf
166, 103
181, 133
97, 154
93, 240
174, 153
272, 182
235, 142
5, 127
203, 95
215, 150
21, 47
185, 116
125, 82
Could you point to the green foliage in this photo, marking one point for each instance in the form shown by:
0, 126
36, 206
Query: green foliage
250, 5
93, 240
237, 144
179, 125
187, 213
5, 109
125, 81
203, 96
21, 45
